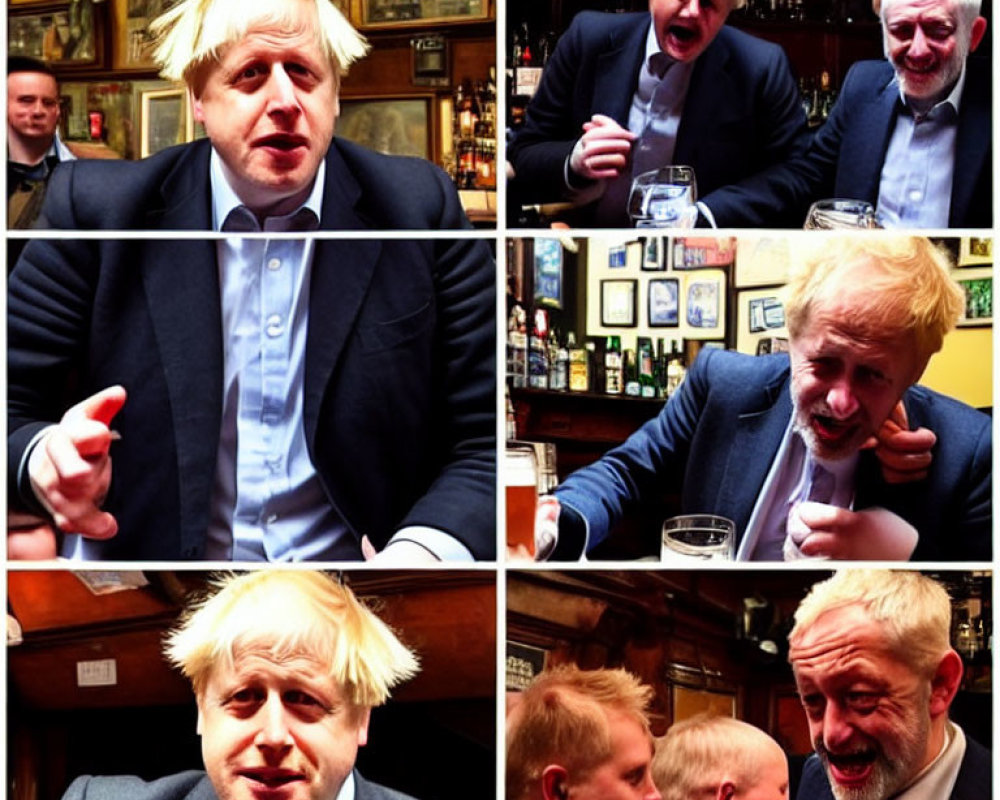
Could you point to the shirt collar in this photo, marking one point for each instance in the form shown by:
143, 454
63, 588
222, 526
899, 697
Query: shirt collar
954, 96
225, 200
654, 53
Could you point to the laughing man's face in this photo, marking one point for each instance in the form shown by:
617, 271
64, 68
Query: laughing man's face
684, 28
868, 712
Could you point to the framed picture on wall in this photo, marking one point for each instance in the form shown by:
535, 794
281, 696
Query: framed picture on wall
165, 120
617, 256
396, 12
652, 254
398, 126
664, 303
975, 252
703, 302
67, 35
618, 303
978, 289
133, 43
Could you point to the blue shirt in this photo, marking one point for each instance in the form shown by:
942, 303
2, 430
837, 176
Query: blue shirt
915, 185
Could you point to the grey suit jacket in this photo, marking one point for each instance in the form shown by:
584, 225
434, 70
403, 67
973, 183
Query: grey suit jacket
190, 785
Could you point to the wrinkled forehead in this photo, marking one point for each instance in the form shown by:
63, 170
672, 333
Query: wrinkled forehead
290, 24
913, 10
836, 637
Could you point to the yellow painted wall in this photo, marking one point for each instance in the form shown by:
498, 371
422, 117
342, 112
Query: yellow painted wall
964, 367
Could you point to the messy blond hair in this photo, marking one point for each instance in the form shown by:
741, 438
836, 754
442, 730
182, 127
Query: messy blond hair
698, 754
195, 32
562, 718
913, 610
292, 612
907, 287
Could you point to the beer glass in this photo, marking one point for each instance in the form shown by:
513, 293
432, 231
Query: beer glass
521, 481
837, 214
697, 537
664, 198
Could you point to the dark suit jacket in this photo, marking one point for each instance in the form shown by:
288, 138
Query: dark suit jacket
975, 777
399, 404
742, 115
191, 785
716, 439
848, 152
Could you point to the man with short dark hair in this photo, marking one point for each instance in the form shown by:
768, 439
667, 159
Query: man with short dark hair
33, 144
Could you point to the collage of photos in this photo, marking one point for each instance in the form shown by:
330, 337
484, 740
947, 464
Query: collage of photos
597, 391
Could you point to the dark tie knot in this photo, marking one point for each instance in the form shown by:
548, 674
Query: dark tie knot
659, 63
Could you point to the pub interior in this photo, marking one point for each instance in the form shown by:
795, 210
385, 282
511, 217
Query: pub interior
88, 691
712, 641
601, 330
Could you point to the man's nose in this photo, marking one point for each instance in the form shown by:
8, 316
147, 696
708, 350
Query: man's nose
837, 730
282, 98
841, 400
919, 47
274, 733
651, 792
690, 8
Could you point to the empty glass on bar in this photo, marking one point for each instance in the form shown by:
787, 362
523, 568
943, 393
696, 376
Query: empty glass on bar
664, 198
697, 537
838, 214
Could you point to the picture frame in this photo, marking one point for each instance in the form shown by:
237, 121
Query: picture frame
548, 272
760, 317
396, 125
165, 119
663, 303
975, 252
67, 35
700, 252
978, 288
383, 13
703, 300
652, 254
618, 303
617, 256
133, 42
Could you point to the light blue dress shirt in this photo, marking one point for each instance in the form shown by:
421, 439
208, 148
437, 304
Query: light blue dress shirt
915, 185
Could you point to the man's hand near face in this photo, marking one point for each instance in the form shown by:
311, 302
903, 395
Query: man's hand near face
70, 468
602, 151
905, 455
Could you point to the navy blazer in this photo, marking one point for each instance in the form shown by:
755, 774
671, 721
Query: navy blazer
974, 781
399, 407
742, 114
848, 152
717, 437
191, 785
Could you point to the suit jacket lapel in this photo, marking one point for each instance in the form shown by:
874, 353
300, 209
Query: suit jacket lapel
708, 89
182, 291
755, 443
186, 193
203, 790
341, 275
875, 123
617, 72
972, 143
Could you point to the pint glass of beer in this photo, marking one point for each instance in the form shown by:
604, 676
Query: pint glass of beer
521, 480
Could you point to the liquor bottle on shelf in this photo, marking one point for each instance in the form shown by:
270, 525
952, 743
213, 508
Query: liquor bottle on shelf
538, 355
647, 386
579, 365
631, 374
613, 379
517, 348
676, 371
558, 364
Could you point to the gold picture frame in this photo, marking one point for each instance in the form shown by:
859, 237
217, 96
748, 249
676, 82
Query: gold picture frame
165, 119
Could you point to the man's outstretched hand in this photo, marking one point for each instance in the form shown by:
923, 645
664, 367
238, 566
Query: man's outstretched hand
70, 468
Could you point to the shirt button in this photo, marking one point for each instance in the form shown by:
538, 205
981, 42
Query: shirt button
916, 195
274, 326
271, 519
273, 264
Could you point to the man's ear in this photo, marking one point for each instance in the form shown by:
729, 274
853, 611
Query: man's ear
195, 101
944, 683
726, 791
977, 33
364, 717
555, 783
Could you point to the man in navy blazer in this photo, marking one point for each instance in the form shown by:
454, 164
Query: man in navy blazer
742, 435
876, 673
912, 135
741, 116
388, 346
